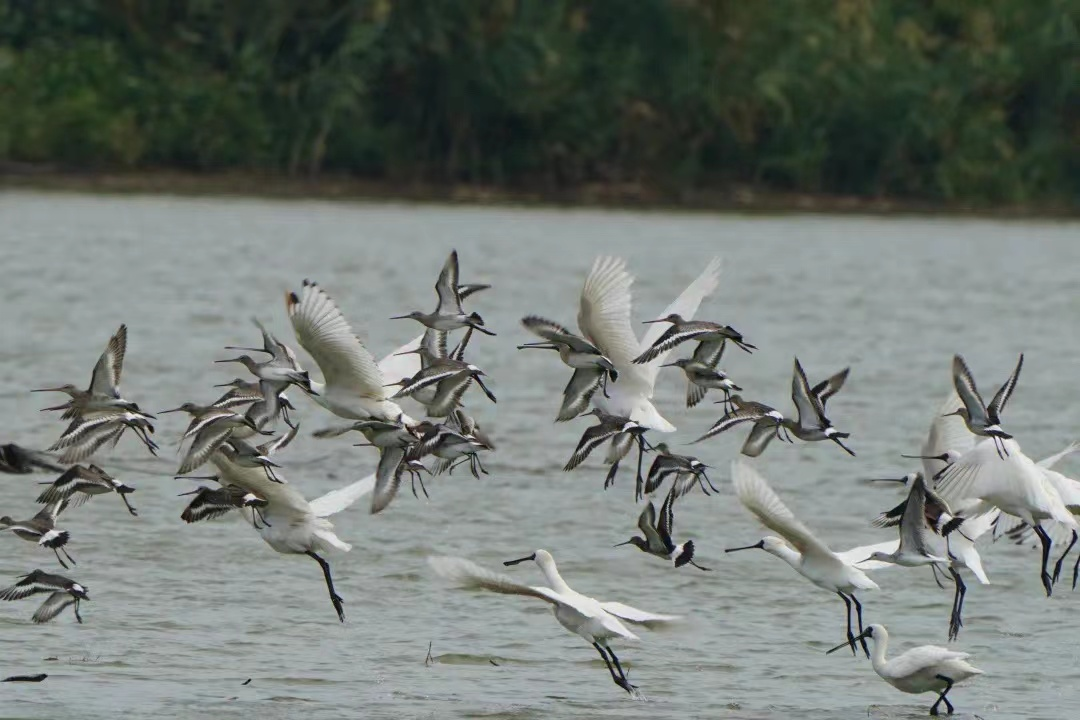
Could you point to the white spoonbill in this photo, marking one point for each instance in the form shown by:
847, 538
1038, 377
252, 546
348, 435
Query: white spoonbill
354, 386
923, 669
292, 524
597, 622
604, 319
811, 558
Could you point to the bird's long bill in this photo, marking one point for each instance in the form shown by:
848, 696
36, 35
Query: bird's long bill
176, 409
537, 346
229, 360
756, 546
941, 457
407, 352
234, 347
628, 542
195, 477
52, 389
402, 317
491, 395
650, 322
508, 563
670, 364
954, 412
846, 644
895, 480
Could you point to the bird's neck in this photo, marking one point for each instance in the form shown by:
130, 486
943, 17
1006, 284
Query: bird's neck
788, 555
554, 579
877, 657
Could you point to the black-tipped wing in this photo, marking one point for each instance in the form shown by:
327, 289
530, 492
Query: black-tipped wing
105, 379
53, 606
969, 394
446, 285
827, 388
1004, 393
579, 391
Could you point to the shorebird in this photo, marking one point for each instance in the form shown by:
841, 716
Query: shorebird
702, 375
810, 557
811, 424
354, 387
275, 371
597, 622
705, 333
42, 530
292, 524
923, 669
982, 419
452, 445
104, 391
210, 503
996, 473
451, 377
209, 429
78, 484
623, 433
18, 460
768, 424
688, 472
604, 320
62, 592
89, 432
592, 370
392, 440
657, 536
448, 313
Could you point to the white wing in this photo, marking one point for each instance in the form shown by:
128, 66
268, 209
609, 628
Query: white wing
1049, 462
946, 433
962, 542
604, 314
470, 575
279, 496
756, 495
395, 366
920, 658
638, 617
859, 556
1015, 480
337, 500
323, 331
686, 305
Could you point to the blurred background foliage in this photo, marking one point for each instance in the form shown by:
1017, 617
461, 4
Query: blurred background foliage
949, 100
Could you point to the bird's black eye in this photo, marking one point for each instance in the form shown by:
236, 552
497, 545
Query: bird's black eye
870, 632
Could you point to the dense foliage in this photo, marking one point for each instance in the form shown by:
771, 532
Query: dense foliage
929, 99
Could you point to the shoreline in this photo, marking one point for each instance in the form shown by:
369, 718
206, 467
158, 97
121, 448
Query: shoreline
604, 196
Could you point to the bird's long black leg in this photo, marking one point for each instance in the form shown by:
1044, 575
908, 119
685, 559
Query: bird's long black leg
1046, 543
703, 475
639, 481
129, 508
610, 479
858, 611
850, 635
77, 615
957, 620
935, 571
59, 559
625, 684
334, 597
611, 669
1057, 567
941, 698
1076, 570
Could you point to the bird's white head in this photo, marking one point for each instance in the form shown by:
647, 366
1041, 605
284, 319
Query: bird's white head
876, 633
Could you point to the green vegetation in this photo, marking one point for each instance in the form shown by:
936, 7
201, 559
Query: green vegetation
939, 100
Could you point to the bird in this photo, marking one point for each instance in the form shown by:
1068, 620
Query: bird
62, 592
42, 529
808, 555
768, 422
623, 433
210, 503
655, 538
982, 419
451, 445
78, 484
681, 330
17, 460
448, 314
104, 391
91, 431
688, 472
292, 524
922, 669
451, 377
702, 375
811, 424
599, 623
592, 370
604, 320
997, 474
354, 387
209, 430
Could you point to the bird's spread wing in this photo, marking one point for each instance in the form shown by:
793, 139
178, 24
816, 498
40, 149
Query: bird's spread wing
387, 478
546, 329
106, 377
323, 331
1049, 462
579, 390
446, 285
638, 617
964, 382
756, 495
685, 305
827, 388
1004, 392
759, 438
804, 400
859, 556
335, 501
604, 314
470, 575
53, 606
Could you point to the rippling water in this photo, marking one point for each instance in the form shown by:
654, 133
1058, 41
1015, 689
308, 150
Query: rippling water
182, 615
